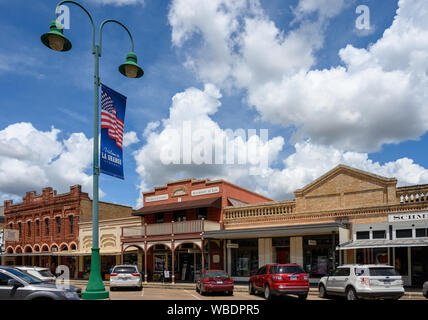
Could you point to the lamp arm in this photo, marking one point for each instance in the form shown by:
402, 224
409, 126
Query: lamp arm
87, 12
119, 23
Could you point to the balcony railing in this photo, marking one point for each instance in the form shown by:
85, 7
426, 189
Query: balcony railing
412, 194
170, 228
269, 209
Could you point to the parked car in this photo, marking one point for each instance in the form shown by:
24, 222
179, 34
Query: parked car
44, 275
214, 281
425, 289
40, 273
17, 285
362, 281
125, 276
280, 279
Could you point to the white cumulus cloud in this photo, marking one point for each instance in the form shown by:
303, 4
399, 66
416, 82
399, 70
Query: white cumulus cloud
31, 159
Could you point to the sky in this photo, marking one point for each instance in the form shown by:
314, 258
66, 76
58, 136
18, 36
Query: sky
327, 86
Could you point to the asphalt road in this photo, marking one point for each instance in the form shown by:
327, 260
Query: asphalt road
189, 294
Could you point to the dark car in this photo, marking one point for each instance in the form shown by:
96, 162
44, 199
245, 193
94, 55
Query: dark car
280, 279
214, 281
16, 285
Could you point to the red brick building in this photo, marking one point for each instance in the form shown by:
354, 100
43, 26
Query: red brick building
174, 218
48, 227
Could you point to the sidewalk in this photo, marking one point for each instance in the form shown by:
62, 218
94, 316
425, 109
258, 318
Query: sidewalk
409, 292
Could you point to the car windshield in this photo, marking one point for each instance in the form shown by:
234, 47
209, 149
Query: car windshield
46, 273
383, 272
215, 274
286, 269
24, 276
124, 270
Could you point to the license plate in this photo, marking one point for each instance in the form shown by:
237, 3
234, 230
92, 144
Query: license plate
219, 282
294, 277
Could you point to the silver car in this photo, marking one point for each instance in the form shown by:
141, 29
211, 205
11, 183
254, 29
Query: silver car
16, 285
125, 276
44, 275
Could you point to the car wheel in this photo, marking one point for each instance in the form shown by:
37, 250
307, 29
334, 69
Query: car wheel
322, 291
351, 294
229, 293
303, 296
250, 289
196, 288
268, 293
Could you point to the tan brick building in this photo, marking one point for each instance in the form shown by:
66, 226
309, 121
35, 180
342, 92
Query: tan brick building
345, 216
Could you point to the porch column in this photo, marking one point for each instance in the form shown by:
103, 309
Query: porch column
333, 248
202, 257
121, 254
145, 261
172, 261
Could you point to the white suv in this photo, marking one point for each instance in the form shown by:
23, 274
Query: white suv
356, 281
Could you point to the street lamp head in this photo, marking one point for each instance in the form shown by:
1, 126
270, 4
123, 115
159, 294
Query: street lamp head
55, 39
130, 68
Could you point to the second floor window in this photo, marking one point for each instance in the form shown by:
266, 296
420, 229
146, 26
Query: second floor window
58, 225
29, 228
20, 229
180, 216
37, 227
202, 213
70, 219
47, 226
159, 218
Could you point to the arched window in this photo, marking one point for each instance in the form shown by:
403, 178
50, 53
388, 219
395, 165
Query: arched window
37, 227
29, 228
20, 229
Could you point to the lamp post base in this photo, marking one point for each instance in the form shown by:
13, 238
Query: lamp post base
95, 289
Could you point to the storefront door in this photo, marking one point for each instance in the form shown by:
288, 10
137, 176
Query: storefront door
419, 266
282, 255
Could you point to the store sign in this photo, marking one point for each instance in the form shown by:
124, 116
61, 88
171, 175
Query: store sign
233, 245
200, 192
11, 235
408, 217
157, 198
312, 242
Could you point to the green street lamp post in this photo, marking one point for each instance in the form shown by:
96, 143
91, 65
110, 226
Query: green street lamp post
56, 40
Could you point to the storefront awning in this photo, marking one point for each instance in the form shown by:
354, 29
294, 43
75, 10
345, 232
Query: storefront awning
282, 231
363, 244
191, 204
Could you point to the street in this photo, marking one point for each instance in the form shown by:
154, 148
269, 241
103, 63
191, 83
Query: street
189, 294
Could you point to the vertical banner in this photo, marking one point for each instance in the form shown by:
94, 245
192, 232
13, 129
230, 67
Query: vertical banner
113, 106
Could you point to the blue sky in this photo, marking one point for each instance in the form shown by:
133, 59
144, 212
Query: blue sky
49, 89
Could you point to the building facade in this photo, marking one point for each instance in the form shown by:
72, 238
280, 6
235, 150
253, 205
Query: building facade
48, 227
174, 219
345, 216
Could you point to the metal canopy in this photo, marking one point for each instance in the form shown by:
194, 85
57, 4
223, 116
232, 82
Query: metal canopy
191, 204
364, 244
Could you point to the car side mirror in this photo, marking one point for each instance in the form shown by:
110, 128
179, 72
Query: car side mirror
14, 283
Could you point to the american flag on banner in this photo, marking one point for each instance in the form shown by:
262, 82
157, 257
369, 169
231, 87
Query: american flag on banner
109, 120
